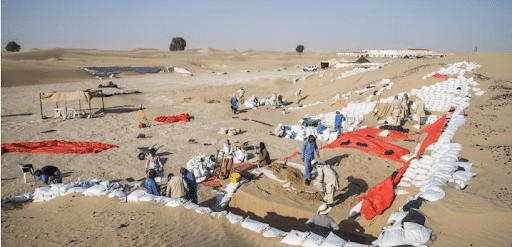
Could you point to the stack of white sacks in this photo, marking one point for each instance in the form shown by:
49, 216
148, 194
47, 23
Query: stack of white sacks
357, 71
201, 166
454, 69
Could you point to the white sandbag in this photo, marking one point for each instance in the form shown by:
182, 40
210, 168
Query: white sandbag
421, 171
202, 210
416, 234
333, 240
190, 205
23, 198
421, 177
272, 232
313, 240
96, 190
117, 193
391, 237
396, 217
76, 189
137, 195
463, 175
218, 214
254, 225
384, 133
432, 196
43, 194
295, 237
356, 209
233, 218
173, 202
403, 184
465, 165
354, 244
460, 185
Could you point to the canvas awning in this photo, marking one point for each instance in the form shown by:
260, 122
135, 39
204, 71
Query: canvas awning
67, 96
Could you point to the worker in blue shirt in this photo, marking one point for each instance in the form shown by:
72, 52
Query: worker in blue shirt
234, 105
192, 184
338, 122
150, 184
308, 150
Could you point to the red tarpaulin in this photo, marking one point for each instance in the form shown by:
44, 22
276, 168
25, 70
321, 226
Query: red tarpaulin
368, 140
56, 147
183, 117
437, 75
380, 197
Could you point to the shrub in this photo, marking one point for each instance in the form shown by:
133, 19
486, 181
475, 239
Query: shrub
12, 47
299, 49
178, 44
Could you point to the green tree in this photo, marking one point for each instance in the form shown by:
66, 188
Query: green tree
178, 44
299, 49
12, 47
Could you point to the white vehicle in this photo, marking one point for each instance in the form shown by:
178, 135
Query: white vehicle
310, 68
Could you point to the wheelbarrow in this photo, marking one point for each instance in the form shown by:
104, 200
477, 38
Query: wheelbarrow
310, 122
144, 151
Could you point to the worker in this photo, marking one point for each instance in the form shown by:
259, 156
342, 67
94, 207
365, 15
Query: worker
48, 175
327, 181
298, 95
150, 184
227, 159
338, 122
234, 106
308, 150
153, 162
404, 107
239, 156
420, 111
274, 100
177, 187
241, 93
263, 157
396, 110
322, 222
191, 183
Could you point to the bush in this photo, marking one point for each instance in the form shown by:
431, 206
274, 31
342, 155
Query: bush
299, 49
12, 47
178, 44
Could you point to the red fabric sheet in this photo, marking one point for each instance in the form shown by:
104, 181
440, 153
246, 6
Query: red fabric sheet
56, 147
377, 145
437, 75
242, 166
380, 197
183, 117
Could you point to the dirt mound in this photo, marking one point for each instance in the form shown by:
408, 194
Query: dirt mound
300, 191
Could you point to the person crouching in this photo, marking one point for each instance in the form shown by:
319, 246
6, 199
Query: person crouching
177, 187
48, 175
150, 184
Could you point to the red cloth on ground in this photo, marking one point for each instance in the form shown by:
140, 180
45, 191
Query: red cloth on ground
183, 117
437, 75
56, 147
380, 197
291, 156
377, 145
212, 181
242, 166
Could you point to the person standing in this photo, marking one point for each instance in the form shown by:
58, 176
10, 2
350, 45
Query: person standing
328, 180
322, 222
241, 93
234, 106
298, 95
420, 111
396, 111
308, 150
404, 106
263, 157
338, 122
153, 162
190, 179
150, 184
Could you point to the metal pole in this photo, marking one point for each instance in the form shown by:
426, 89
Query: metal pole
41, 105
102, 103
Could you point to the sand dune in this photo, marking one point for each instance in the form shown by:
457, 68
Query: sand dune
480, 215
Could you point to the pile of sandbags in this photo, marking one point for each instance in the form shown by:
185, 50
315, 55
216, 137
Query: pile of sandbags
201, 166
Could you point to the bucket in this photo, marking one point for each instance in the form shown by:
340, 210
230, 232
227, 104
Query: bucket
235, 177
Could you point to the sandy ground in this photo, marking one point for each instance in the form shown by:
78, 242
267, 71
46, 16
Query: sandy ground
480, 215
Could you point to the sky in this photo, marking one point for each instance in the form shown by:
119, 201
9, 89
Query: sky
281, 25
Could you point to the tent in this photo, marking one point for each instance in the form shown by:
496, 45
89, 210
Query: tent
80, 96
362, 59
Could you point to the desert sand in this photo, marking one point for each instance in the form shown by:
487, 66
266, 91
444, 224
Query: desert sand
479, 215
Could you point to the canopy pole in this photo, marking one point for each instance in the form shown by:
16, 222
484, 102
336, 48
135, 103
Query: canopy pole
90, 110
102, 103
80, 106
41, 105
